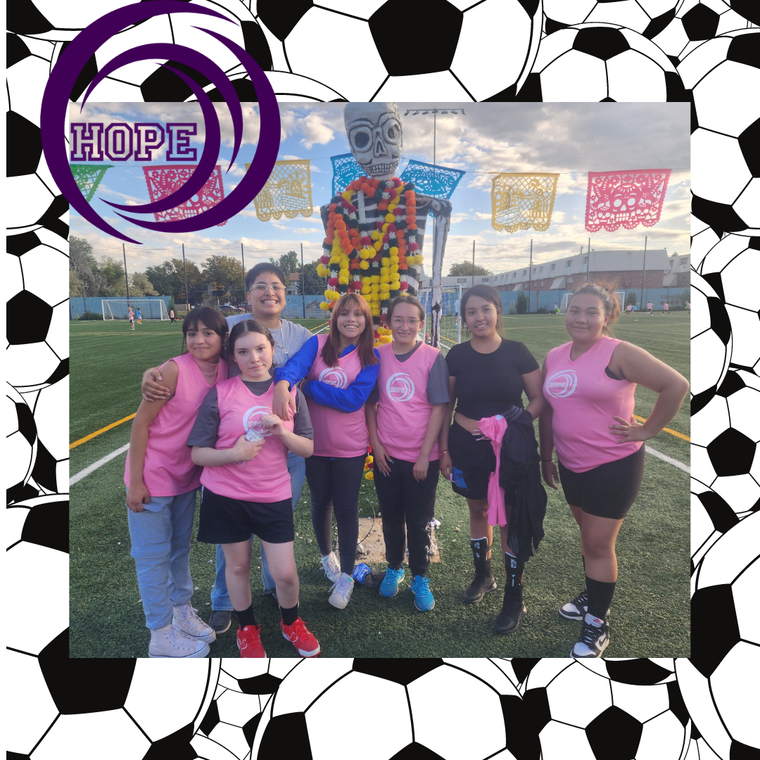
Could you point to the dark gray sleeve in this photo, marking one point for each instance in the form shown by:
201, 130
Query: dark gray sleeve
302, 420
374, 395
438, 382
206, 428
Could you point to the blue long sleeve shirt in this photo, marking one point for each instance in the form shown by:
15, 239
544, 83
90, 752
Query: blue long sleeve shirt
349, 399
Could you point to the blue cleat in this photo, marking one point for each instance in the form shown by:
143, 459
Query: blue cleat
389, 586
423, 598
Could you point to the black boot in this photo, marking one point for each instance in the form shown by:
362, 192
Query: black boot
484, 581
513, 610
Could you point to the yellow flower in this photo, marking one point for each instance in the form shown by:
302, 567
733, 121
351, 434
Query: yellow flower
325, 305
370, 475
364, 264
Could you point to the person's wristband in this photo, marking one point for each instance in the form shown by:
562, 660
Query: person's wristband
543, 461
441, 453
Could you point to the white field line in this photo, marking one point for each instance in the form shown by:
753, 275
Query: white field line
95, 465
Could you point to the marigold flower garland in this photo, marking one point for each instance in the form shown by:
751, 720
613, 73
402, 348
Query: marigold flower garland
371, 258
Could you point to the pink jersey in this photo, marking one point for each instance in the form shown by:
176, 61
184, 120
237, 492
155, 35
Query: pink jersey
265, 478
168, 468
403, 409
336, 433
584, 400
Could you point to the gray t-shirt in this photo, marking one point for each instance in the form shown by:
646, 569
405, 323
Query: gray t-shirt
288, 339
206, 428
437, 384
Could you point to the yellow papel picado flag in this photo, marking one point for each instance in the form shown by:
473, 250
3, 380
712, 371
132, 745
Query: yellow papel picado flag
287, 191
523, 201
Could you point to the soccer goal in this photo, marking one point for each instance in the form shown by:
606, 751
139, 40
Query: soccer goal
451, 327
150, 308
566, 300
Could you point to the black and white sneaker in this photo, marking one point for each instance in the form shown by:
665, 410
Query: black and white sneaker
595, 636
577, 609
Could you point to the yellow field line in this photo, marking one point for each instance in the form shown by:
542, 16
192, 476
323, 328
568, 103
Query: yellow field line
98, 432
665, 430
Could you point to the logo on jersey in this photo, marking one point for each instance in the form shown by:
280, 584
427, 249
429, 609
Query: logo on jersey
400, 387
334, 376
562, 384
252, 419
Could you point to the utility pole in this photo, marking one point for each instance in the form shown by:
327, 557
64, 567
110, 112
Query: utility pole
530, 272
643, 272
473, 264
187, 295
303, 285
245, 293
126, 277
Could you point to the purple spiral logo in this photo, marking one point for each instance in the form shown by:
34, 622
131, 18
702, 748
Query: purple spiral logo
562, 384
334, 376
61, 83
400, 387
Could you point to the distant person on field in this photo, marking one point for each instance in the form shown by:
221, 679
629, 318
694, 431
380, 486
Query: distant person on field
556, 308
161, 484
599, 443
666, 308
171, 315
650, 306
688, 306
131, 318
628, 309
265, 285
139, 315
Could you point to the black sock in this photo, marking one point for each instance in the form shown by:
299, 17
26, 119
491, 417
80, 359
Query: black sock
599, 597
289, 614
245, 617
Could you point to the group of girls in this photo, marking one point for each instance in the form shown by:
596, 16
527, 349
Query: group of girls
400, 399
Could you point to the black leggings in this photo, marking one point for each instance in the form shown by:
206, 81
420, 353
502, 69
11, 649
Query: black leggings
334, 485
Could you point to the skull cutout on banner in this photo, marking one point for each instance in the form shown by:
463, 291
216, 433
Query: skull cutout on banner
376, 226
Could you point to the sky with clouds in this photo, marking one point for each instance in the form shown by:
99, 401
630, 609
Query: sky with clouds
566, 138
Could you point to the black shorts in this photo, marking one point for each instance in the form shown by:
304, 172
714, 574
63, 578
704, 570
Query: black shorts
473, 462
605, 491
230, 521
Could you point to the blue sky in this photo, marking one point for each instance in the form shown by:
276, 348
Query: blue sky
570, 139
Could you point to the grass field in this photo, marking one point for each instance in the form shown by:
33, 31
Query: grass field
650, 612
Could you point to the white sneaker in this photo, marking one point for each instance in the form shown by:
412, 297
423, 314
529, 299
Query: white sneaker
187, 622
341, 591
594, 638
169, 642
331, 567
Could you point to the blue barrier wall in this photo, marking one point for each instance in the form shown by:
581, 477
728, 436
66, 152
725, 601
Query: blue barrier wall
94, 304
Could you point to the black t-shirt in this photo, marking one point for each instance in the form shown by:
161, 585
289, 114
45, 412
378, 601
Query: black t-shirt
486, 384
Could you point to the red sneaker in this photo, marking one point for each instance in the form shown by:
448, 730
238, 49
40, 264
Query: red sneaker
300, 637
249, 641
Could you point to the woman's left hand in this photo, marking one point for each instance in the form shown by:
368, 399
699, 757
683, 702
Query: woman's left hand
629, 431
420, 469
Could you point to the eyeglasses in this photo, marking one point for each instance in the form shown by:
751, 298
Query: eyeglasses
398, 321
262, 288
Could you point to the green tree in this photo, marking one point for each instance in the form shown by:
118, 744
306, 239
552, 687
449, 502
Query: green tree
225, 276
311, 283
140, 285
465, 269
168, 279
113, 274
87, 278
288, 262
522, 303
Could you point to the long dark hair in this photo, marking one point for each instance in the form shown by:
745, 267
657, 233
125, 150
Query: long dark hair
211, 318
365, 345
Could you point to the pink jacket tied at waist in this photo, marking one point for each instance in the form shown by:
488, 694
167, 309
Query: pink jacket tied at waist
494, 428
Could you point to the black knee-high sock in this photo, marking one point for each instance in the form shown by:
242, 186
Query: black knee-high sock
245, 617
599, 597
289, 614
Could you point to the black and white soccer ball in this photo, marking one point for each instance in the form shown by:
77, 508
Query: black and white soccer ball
147, 80
748, 9
37, 334
647, 17
711, 517
430, 701
142, 709
377, 50
32, 199
242, 691
51, 412
694, 22
577, 713
731, 266
717, 679
725, 131
703, 238
711, 341
601, 62
21, 444
725, 439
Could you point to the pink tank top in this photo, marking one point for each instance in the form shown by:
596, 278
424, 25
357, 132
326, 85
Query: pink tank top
403, 410
168, 468
336, 433
265, 478
584, 400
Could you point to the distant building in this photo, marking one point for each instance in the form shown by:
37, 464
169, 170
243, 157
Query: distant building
292, 289
626, 268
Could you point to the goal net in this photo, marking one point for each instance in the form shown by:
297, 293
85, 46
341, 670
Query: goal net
451, 327
566, 300
150, 308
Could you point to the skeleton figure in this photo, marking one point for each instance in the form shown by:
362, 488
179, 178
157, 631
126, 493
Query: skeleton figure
375, 134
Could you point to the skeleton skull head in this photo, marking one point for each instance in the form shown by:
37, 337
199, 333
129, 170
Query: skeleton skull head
375, 136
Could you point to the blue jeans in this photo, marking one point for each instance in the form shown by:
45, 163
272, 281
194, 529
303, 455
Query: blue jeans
161, 536
220, 598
